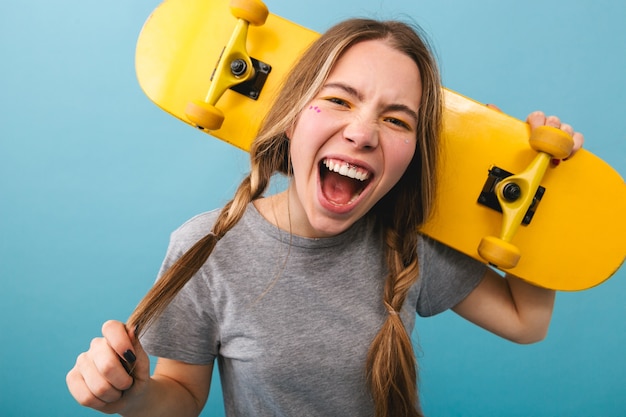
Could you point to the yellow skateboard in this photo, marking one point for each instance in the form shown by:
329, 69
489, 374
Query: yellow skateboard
217, 65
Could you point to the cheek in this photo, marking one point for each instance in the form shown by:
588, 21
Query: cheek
303, 144
299, 121
310, 130
399, 159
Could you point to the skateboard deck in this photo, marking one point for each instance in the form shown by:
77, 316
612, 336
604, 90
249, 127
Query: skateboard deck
575, 236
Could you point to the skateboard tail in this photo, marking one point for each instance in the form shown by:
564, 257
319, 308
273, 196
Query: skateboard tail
577, 236
178, 50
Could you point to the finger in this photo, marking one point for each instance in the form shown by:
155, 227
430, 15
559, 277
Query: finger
553, 121
129, 350
120, 340
80, 391
536, 119
107, 364
83, 389
567, 129
577, 137
494, 107
99, 387
579, 141
141, 368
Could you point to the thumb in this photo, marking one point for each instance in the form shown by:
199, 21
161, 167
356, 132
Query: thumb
139, 368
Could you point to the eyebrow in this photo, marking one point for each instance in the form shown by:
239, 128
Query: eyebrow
355, 93
350, 90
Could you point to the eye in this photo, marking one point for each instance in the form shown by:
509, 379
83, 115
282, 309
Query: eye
338, 101
398, 122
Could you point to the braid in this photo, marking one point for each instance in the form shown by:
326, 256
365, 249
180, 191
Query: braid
175, 278
269, 153
391, 364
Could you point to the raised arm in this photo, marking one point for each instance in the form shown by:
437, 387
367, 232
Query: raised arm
510, 307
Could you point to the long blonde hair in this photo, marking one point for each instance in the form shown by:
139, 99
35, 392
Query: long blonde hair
391, 365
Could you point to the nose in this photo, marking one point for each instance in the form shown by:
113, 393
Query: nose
362, 133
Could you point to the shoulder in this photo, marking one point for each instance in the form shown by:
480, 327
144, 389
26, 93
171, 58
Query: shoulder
194, 229
446, 276
436, 255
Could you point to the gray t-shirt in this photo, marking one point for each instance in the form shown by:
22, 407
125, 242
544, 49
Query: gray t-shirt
290, 319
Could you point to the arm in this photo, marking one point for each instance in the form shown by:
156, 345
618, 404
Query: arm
176, 388
509, 307
100, 381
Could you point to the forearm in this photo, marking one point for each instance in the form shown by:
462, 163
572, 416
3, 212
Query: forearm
534, 306
509, 307
163, 397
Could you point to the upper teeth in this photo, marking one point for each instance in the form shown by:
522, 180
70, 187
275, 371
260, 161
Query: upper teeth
346, 169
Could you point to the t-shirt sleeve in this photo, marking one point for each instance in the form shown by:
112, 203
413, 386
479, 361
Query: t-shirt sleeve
186, 330
446, 277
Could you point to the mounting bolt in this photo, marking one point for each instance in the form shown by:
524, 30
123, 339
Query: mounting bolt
238, 67
511, 192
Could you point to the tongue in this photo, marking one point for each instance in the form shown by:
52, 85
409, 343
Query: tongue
339, 189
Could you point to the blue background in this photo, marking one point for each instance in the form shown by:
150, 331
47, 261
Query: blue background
93, 178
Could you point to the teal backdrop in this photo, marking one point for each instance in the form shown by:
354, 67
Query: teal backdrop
94, 177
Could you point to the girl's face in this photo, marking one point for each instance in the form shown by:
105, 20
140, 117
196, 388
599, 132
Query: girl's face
354, 140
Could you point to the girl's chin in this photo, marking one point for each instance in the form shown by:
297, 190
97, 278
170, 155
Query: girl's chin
332, 220
328, 229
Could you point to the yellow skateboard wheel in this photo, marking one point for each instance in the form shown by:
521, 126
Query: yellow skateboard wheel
204, 115
254, 12
552, 141
499, 252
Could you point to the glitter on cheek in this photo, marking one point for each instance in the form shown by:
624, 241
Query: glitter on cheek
316, 109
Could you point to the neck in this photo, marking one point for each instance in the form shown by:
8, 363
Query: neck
275, 209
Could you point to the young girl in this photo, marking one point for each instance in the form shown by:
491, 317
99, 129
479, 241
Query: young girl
307, 298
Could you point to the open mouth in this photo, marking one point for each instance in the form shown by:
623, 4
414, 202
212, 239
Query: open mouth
342, 183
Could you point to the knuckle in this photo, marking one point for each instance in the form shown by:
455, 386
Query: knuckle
109, 369
82, 359
127, 386
88, 399
80, 390
579, 139
72, 377
115, 374
105, 393
95, 344
108, 325
553, 120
